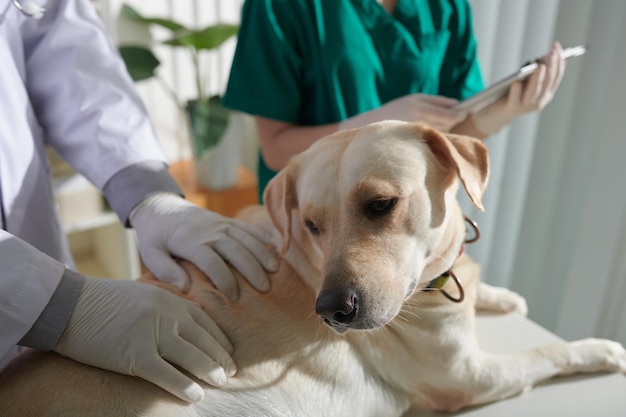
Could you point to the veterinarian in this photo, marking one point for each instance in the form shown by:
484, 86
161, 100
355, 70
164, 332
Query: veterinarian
322, 66
63, 84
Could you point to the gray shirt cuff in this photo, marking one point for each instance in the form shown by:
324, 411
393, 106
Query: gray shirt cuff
47, 330
133, 184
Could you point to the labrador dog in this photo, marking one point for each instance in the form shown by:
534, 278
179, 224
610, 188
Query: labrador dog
371, 313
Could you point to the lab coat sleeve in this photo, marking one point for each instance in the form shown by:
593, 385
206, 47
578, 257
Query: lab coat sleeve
82, 94
45, 333
28, 281
128, 187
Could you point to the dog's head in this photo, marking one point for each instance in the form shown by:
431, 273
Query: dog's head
379, 204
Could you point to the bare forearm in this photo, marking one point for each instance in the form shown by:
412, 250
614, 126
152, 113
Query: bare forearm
280, 141
468, 127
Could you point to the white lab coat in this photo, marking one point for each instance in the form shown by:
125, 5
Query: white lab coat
62, 83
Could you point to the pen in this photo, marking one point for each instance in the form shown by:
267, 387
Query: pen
567, 53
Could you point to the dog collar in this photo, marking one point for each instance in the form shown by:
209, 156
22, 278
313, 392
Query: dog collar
438, 283
441, 281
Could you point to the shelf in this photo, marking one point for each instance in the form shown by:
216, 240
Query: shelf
104, 219
105, 251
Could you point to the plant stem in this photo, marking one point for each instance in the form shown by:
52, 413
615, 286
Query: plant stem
196, 64
169, 91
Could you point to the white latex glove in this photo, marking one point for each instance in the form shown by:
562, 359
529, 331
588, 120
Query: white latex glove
168, 225
434, 110
136, 329
525, 96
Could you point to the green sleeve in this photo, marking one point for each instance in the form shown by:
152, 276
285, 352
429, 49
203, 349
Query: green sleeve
460, 72
265, 74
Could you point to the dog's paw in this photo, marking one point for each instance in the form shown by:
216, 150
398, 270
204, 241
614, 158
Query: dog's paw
514, 303
500, 300
597, 355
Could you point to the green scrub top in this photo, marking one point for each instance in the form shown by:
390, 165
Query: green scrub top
313, 62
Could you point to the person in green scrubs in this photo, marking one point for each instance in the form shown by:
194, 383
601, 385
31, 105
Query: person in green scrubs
308, 68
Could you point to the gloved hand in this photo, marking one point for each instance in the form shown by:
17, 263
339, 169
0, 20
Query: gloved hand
168, 225
525, 96
136, 329
434, 110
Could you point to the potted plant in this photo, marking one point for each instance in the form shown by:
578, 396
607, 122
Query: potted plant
208, 120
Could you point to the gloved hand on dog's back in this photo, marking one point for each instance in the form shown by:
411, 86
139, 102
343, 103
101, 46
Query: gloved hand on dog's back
167, 225
143, 330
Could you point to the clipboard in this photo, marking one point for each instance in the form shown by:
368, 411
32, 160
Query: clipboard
500, 88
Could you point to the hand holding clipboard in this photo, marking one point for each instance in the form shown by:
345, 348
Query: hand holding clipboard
501, 87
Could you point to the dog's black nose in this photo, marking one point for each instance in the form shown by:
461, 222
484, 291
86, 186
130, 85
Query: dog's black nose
337, 307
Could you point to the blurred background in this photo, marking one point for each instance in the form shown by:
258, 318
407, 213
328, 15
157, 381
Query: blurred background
554, 228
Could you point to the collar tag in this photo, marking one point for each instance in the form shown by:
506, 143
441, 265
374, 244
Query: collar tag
439, 282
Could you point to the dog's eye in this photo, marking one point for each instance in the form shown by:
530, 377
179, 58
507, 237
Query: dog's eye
312, 227
381, 207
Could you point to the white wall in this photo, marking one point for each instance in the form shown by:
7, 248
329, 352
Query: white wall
556, 203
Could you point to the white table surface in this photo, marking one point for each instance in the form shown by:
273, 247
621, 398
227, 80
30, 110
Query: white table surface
590, 395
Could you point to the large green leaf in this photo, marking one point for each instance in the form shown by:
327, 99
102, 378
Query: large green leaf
140, 62
208, 38
135, 16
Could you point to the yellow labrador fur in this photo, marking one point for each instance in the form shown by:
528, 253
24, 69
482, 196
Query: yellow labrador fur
363, 221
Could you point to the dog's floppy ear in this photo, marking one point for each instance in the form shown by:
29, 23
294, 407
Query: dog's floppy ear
469, 158
280, 199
